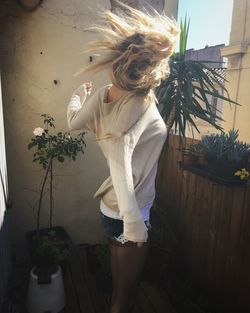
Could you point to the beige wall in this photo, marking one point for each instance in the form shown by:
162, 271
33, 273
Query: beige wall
238, 54
36, 49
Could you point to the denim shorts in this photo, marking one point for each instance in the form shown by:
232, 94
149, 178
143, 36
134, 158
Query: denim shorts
114, 228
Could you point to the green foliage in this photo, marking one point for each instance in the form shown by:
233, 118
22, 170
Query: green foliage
50, 249
183, 37
55, 146
50, 148
224, 148
184, 95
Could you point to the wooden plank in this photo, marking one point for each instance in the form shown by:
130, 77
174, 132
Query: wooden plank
82, 291
190, 211
173, 171
159, 302
233, 257
202, 230
223, 227
101, 300
98, 299
195, 230
213, 209
243, 284
70, 294
160, 171
178, 191
143, 303
183, 200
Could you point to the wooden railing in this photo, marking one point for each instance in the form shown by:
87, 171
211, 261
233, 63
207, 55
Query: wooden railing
213, 223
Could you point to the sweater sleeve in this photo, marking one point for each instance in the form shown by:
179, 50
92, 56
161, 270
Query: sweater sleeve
122, 179
120, 163
81, 113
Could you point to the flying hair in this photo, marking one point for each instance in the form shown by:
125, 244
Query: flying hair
135, 47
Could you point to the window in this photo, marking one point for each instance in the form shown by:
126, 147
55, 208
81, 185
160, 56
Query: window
3, 169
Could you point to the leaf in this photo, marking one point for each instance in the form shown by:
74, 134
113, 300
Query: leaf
31, 145
60, 158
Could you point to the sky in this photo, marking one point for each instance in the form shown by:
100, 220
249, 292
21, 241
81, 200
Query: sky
210, 21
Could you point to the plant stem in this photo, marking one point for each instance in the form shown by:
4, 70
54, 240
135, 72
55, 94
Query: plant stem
51, 194
41, 196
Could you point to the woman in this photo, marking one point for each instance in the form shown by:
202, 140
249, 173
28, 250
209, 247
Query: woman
131, 134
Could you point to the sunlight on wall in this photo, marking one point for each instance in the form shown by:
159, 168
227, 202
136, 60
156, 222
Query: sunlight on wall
40, 52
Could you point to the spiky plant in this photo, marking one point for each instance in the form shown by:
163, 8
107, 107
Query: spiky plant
183, 96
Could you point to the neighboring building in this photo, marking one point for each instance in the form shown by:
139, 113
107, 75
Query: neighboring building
209, 53
238, 72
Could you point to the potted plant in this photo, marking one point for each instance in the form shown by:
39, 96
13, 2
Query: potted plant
46, 288
49, 247
225, 155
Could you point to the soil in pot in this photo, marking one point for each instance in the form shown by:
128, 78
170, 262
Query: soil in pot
61, 234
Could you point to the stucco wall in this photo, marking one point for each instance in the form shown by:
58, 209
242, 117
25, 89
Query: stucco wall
36, 49
238, 73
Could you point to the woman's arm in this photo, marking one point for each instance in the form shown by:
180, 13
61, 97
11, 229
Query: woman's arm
81, 112
130, 127
120, 163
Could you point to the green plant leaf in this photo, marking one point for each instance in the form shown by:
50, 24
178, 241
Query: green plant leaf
60, 158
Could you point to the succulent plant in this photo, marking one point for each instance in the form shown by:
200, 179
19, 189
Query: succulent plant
224, 148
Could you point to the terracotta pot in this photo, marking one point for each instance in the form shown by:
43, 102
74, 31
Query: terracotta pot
189, 159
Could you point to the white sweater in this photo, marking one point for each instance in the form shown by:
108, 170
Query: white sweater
132, 154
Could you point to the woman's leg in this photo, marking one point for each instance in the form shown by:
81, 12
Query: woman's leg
127, 262
114, 270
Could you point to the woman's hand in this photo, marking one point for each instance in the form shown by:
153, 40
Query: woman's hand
139, 244
88, 87
136, 232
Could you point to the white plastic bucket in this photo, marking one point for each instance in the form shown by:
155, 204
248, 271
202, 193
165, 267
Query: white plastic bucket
46, 297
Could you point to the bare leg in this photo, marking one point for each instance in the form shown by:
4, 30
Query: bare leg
127, 262
114, 270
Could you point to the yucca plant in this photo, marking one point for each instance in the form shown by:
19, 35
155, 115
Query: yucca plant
183, 96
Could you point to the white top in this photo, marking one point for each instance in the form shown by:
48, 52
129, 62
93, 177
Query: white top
145, 211
133, 133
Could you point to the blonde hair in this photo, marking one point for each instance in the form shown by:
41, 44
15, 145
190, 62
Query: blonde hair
136, 48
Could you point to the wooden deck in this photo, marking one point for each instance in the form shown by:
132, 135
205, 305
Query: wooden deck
82, 295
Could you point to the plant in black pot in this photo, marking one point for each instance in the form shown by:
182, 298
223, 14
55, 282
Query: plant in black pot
225, 155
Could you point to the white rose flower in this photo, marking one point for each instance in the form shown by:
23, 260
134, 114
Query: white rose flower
38, 131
